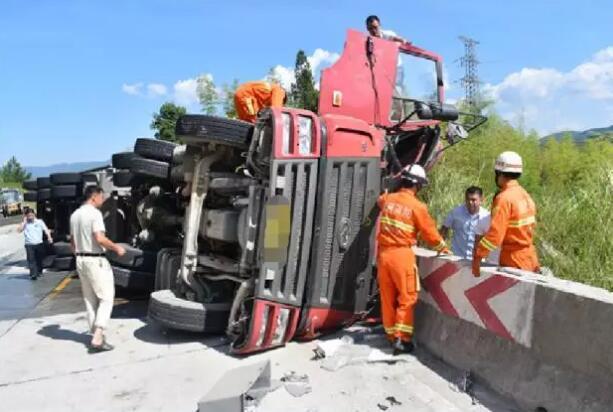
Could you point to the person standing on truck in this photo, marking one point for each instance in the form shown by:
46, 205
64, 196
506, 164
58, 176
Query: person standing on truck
33, 230
88, 240
403, 217
251, 97
373, 26
463, 221
513, 220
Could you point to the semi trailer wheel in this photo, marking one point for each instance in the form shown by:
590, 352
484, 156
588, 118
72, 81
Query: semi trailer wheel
134, 259
203, 128
175, 313
30, 185
65, 178
30, 196
66, 191
44, 194
133, 279
123, 178
154, 149
150, 167
122, 160
43, 183
64, 263
62, 249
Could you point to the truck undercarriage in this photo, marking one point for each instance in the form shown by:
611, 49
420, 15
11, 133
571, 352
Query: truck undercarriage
278, 235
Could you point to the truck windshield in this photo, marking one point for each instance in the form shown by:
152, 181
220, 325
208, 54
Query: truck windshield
10, 196
416, 78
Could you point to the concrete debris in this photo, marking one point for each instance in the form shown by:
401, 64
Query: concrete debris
239, 390
296, 385
338, 353
382, 407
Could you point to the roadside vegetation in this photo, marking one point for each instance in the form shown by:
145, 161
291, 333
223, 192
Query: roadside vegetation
571, 184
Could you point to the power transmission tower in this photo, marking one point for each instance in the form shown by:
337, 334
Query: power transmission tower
470, 81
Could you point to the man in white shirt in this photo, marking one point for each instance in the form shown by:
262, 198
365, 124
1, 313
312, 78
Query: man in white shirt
373, 25
463, 221
88, 240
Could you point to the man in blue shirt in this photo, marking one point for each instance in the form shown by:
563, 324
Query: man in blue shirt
463, 221
33, 229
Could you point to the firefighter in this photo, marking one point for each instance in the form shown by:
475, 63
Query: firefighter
402, 218
513, 220
251, 97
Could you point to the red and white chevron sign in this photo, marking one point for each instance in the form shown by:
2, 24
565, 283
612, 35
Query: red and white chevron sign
500, 303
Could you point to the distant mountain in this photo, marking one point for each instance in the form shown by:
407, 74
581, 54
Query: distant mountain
42, 171
581, 137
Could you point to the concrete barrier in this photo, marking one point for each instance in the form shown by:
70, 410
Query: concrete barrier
541, 341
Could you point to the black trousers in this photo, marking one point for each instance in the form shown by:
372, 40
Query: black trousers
35, 255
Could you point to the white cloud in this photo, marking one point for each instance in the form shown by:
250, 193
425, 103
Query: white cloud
185, 92
550, 100
132, 89
319, 60
156, 89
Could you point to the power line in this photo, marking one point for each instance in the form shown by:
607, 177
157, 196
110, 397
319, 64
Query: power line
470, 81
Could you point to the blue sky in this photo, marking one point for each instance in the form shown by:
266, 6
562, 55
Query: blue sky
79, 80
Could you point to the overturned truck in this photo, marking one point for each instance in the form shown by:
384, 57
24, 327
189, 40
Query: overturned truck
279, 231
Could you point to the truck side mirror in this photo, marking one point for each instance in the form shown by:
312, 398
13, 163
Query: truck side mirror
445, 112
423, 111
435, 111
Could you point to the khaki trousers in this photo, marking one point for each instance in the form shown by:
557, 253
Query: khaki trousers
98, 288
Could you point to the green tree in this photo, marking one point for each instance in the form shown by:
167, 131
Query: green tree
303, 92
13, 172
165, 120
228, 99
207, 94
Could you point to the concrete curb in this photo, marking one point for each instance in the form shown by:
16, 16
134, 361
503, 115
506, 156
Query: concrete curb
543, 342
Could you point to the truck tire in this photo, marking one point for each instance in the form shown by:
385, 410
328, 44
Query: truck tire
175, 313
177, 173
133, 279
43, 183
30, 196
122, 178
48, 261
62, 249
66, 191
154, 149
122, 160
65, 178
201, 127
134, 258
168, 263
90, 178
44, 194
64, 263
29, 185
150, 167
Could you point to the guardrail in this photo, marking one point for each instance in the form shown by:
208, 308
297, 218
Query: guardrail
541, 341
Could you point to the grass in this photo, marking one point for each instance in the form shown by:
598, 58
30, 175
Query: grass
572, 187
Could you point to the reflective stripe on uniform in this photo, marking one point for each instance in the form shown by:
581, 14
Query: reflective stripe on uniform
523, 222
391, 330
487, 244
250, 107
397, 224
441, 245
401, 327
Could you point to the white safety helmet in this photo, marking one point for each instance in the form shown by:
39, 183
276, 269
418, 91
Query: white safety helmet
415, 174
509, 162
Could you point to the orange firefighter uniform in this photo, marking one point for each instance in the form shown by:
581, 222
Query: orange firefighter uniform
251, 97
511, 229
402, 218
